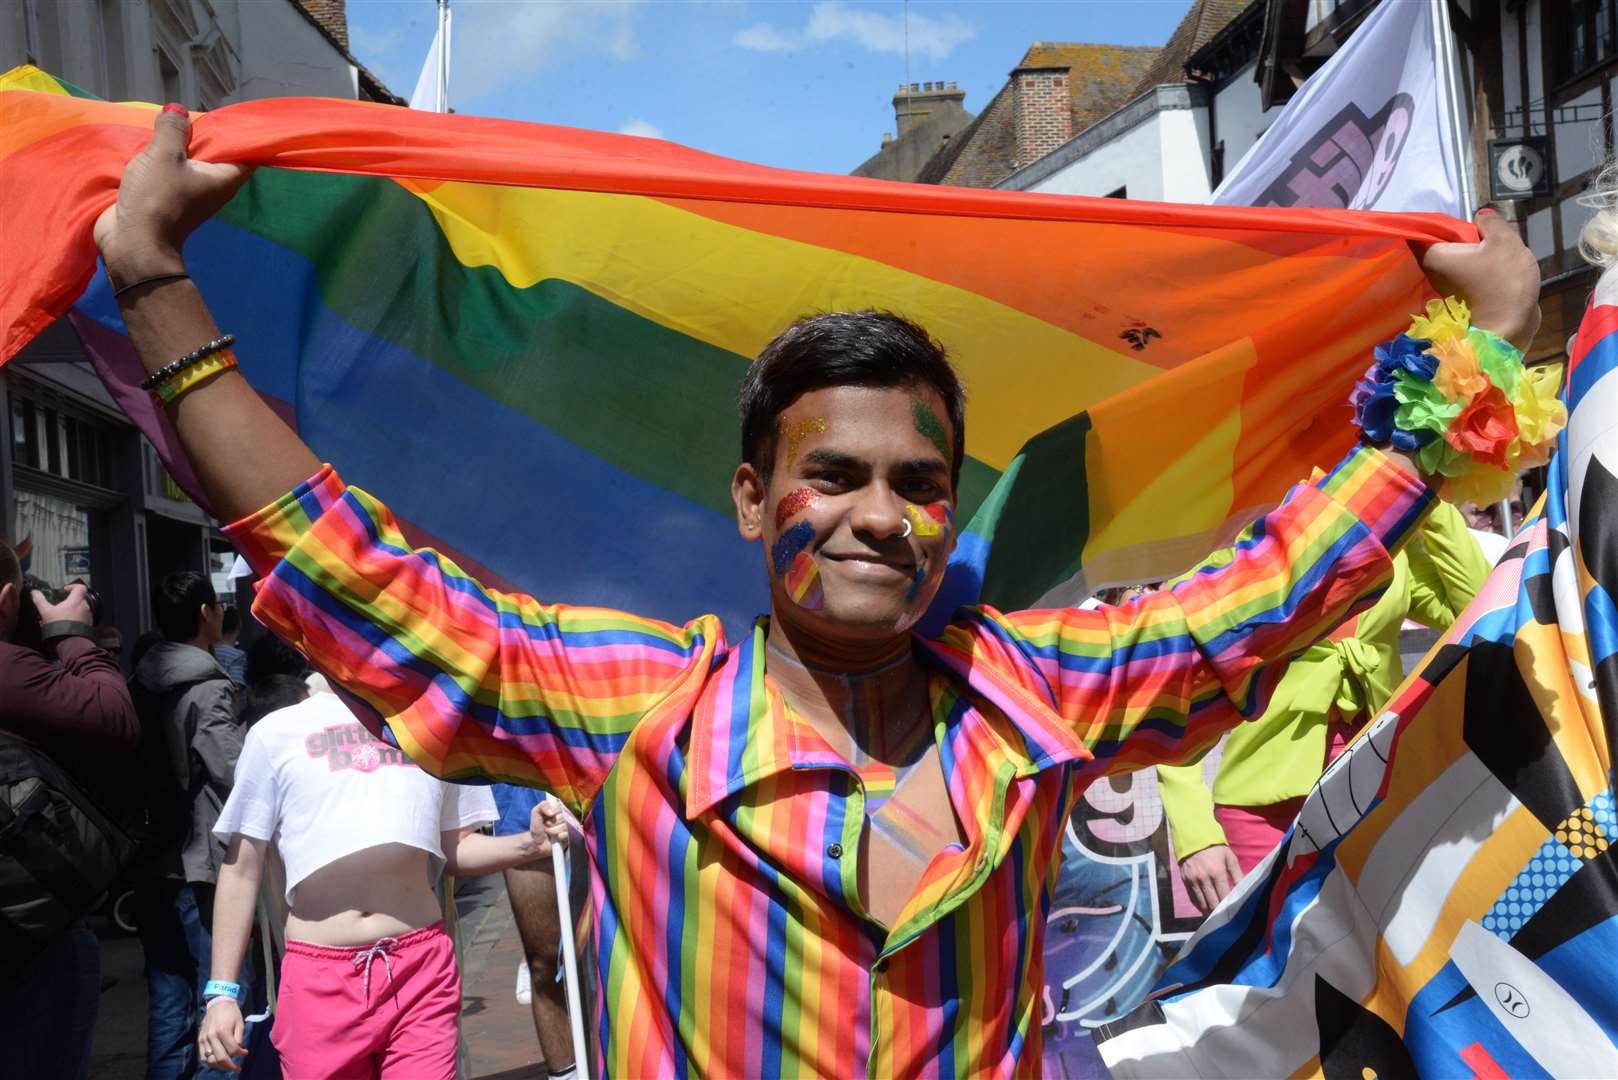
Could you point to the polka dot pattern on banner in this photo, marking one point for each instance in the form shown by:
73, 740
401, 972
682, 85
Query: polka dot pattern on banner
1586, 833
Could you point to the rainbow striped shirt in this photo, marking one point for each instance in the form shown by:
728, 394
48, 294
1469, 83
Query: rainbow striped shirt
724, 834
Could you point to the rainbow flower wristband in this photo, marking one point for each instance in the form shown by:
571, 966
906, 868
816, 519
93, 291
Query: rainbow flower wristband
1458, 400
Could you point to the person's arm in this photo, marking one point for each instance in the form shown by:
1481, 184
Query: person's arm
468, 681
82, 699
235, 897
1207, 865
468, 853
242, 454
1155, 681
1447, 568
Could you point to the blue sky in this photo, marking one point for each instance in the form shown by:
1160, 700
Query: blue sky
799, 85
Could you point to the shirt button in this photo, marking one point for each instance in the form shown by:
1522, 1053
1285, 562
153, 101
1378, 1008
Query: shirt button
834, 851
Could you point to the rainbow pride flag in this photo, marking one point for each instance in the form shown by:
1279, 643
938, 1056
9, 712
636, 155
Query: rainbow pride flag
528, 338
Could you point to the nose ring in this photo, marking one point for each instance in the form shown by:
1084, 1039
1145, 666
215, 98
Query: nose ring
908, 529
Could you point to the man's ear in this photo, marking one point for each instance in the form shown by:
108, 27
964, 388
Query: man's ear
747, 492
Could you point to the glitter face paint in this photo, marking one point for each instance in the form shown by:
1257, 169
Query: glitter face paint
793, 563
796, 433
929, 426
789, 544
794, 503
802, 581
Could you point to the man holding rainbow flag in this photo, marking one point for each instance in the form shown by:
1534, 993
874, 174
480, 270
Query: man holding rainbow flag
827, 848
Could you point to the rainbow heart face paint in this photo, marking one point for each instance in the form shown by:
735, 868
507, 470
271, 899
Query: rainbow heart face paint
802, 581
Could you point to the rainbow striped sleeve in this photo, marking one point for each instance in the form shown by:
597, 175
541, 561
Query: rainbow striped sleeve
1156, 681
467, 681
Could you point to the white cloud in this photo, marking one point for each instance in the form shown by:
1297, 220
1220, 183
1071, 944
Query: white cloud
927, 37
762, 37
499, 43
636, 126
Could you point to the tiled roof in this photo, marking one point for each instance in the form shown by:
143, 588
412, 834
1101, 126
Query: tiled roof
1205, 19
1101, 79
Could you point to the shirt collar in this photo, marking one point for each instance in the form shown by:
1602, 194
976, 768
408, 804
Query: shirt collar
742, 732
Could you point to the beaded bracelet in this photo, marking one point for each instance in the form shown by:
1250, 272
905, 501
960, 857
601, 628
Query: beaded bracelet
168, 371
167, 393
1458, 399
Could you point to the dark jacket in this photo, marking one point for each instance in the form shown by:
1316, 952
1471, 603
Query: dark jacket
195, 704
77, 711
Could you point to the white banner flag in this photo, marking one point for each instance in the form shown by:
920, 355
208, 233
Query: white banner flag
432, 85
1371, 130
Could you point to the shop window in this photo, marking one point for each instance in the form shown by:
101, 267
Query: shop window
74, 447
1584, 36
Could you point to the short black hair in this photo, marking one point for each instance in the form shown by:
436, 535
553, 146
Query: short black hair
273, 692
176, 605
269, 655
232, 621
843, 348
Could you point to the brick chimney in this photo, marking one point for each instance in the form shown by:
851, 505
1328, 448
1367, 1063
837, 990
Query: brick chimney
913, 104
331, 14
1043, 109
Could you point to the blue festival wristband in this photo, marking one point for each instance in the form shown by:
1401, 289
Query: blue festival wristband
217, 988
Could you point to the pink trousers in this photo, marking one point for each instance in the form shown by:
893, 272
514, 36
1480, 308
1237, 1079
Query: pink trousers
1253, 831
386, 1011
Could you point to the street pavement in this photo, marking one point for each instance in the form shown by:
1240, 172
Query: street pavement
497, 1034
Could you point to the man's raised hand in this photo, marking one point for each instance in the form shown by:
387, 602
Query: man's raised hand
163, 197
1498, 277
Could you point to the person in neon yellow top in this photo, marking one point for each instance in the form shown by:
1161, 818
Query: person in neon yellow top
1327, 693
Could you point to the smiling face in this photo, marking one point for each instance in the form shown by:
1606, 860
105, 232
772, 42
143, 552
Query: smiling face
857, 514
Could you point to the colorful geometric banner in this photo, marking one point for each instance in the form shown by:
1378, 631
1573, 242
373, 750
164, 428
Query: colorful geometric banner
1447, 902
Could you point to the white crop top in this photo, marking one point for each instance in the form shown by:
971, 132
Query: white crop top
314, 781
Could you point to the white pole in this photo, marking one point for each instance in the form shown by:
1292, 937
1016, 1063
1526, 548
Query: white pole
443, 56
1449, 66
570, 962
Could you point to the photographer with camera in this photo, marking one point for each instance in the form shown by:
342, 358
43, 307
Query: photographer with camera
191, 737
67, 727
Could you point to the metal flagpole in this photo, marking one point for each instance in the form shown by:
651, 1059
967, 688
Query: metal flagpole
1449, 66
570, 962
443, 56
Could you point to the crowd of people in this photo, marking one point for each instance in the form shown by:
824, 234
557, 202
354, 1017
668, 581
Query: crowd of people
835, 813
241, 760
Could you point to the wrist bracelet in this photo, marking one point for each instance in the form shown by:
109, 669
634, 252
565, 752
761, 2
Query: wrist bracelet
65, 628
217, 988
153, 280
1458, 399
168, 371
170, 391
220, 997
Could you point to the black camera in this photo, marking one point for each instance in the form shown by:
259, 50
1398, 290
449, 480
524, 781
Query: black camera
28, 631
